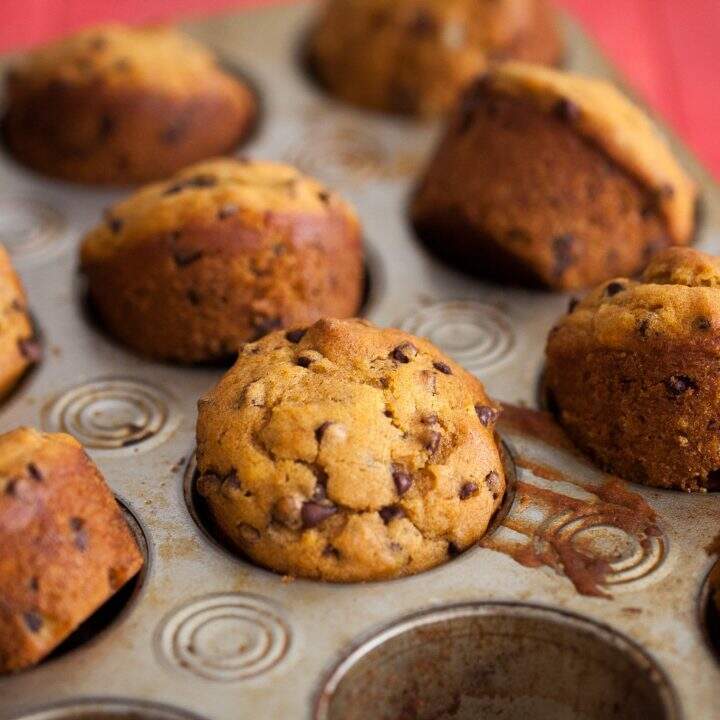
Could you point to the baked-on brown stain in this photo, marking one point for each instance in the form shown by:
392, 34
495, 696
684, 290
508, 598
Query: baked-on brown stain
550, 543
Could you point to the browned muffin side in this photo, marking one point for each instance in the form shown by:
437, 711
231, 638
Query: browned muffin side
554, 180
347, 452
414, 56
121, 105
65, 547
222, 253
19, 348
633, 373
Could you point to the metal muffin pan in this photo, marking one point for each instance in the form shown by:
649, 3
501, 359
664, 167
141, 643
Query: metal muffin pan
209, 635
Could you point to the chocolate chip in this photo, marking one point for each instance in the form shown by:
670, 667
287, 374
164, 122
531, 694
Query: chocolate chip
453, 549
197, 181
390, 513
562, 247
30, 349
193, 297
98, 43
433, 441
264, 325
492, 480
468, 490
106, 127
666, 191
643, 326
313, 513
303, 361
404, 353
702, 323
330, 551
227, 210
115, 224
486, 414
320, 491
567, 111
81, 538
287, 511
186, 256
319, 432
471, 100
614, 288
678, 385
248, 534
713, 480
443, 368
11, 487
34, 583
33, 621
574, 302
34, 472
423, 24
402, 479
295, 336
324, 197
231, 481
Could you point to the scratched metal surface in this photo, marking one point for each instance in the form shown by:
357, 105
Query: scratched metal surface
211, 635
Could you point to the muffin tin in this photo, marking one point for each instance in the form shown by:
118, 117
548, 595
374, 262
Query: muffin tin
204, 634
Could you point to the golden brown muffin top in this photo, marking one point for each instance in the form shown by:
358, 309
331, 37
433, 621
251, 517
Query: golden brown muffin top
121, 56
678, 297
462, 23
604, 115
211, 192
18, 448
386, 418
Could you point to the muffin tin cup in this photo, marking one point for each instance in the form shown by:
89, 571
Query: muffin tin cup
213, 636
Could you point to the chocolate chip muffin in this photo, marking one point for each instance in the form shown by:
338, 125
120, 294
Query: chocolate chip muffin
633, 373
346, 452
413, 57
65, 547
19, 348
224, 252
119, 105
549, 179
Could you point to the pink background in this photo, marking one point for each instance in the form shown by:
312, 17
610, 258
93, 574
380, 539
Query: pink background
668, 49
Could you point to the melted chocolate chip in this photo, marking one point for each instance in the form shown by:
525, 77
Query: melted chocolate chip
390, 513
433, 441
33, 620
263, 325
34, 472
443, 368
567, 111
562, 247
330, 551
574, 302
402, 479
197, 181
303, 361
319, 432
702, 324
81, 538
486, 414
295, 336
468, 490
492, 480
404, 353
678, 385
314, 513
226, 211
614, 288
30, 349
186, 256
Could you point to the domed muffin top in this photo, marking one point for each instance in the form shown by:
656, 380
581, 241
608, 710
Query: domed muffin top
121, 56
677, 298
213, 192
601, 113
